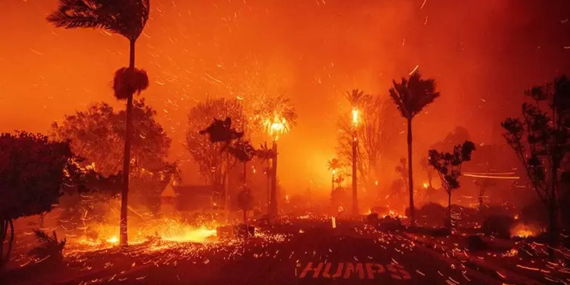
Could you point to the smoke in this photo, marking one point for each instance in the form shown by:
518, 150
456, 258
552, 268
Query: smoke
482, 54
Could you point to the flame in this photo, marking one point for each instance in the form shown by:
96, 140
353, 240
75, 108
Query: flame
523, 231
276, 126
105, 235
425, 185
113, 240
187, 234
355, 117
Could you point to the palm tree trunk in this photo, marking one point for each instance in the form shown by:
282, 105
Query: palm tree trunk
481, 194
273, 210
127, 156
226, 177
332, 185
354, 178
410, 176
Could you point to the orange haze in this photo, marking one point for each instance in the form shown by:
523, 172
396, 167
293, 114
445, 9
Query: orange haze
483, 54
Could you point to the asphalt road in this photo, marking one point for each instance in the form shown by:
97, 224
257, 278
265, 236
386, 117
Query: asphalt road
302, 253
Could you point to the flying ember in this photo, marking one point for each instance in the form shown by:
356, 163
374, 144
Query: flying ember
285, 142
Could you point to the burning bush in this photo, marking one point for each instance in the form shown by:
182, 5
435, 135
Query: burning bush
524, 231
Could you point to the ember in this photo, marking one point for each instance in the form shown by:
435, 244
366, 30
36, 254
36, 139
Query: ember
284, 142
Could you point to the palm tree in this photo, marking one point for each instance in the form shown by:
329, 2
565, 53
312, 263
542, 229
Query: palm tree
356, 98
334, 166
411, 96
127, 18
277, 116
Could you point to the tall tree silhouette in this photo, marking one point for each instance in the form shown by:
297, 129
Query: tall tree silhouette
209, 156
94, 134
334, 166
127, 18
448, 166
411, 96
277, 116
541, 140
33, 171
356, 98
243, 151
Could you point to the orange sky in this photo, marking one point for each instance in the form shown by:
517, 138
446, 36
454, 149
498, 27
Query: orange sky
482, 54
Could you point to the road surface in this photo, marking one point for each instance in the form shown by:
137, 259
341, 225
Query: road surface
305, 252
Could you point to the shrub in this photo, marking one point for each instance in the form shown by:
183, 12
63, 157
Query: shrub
390, 224
50, 247
431, 214
498, 225
476, 243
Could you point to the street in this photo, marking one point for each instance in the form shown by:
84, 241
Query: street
305, 252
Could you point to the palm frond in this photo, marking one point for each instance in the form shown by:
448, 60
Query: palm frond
125, 17
413, 94
42, 236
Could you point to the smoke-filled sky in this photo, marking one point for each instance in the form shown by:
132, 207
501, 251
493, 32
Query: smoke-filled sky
482, 53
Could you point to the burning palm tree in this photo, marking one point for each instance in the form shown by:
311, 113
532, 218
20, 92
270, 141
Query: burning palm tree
356, 98
411, 96
276, 115
127, 18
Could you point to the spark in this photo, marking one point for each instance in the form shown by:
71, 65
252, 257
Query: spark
36, 52
528, 268
213, 78
492, 176
415, 69
423, 4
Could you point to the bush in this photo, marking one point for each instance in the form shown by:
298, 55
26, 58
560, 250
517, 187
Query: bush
244, 231
50, 247
432, 214
372, 219
390, 224
476, 243
498, 225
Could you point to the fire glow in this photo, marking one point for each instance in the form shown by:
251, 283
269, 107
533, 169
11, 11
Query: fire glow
276, 126
523, 231
106, 235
